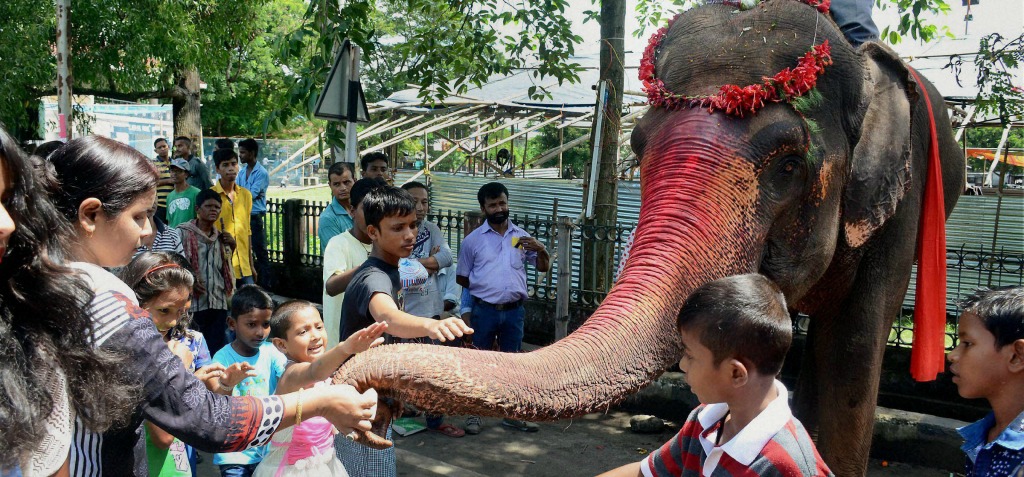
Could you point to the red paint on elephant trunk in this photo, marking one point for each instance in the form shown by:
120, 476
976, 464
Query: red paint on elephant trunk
684, 240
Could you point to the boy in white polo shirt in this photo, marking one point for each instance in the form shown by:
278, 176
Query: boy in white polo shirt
736, 332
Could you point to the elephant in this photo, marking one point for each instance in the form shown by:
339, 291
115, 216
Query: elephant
823, 197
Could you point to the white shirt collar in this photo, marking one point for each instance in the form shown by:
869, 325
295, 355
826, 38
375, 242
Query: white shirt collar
747, 445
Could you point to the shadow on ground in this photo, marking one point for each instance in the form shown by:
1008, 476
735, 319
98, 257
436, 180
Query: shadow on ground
585, 446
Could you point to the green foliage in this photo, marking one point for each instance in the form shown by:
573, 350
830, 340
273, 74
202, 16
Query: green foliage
575, 159
25, 37
443, 46
652, 13
995, 62
910, 12
125, 49
253, 83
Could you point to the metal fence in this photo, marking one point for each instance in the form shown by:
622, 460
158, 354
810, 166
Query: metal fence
967, 268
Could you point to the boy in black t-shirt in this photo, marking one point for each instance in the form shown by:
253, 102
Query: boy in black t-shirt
373, 295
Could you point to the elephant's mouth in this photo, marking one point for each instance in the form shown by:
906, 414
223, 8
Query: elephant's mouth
768, 265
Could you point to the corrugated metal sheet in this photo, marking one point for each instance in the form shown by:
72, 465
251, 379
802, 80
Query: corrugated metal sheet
533, 197
973, 222
969, 228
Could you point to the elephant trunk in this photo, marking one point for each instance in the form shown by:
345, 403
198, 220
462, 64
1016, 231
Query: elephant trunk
683, 241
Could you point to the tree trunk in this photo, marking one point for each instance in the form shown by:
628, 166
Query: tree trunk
613, 20
186, 105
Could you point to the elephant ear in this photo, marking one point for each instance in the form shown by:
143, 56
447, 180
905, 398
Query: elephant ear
880, 165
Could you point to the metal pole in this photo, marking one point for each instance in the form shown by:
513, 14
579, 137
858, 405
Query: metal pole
595, 158
564, 276
63, 70
526, 147
561, 142
351, 142
995, 159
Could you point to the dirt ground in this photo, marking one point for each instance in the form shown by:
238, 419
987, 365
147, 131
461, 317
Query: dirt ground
586, 446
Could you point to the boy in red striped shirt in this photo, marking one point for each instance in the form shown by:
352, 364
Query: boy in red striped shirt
735, 333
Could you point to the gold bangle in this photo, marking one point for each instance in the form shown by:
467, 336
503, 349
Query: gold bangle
298, 409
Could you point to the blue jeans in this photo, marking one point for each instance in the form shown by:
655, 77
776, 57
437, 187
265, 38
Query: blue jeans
506, 326
237, 470
854, 19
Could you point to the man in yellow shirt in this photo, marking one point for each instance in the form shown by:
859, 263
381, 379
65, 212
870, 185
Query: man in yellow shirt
236, 205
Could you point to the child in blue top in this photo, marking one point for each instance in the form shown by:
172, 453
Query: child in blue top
251, 308
988, 362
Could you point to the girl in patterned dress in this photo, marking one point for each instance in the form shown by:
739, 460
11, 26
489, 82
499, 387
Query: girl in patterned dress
163, 284
307, 449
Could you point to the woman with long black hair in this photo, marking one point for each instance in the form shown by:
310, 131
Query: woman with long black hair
49, 371
105, 191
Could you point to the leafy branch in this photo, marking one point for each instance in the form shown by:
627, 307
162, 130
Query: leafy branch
996, 60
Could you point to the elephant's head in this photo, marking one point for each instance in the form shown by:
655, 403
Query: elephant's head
774, 192
777, 191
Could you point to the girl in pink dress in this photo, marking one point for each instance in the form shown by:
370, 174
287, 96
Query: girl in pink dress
307, 449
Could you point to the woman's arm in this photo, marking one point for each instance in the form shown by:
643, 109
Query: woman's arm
175, 400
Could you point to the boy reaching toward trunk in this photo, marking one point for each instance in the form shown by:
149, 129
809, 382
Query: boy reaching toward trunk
373, 296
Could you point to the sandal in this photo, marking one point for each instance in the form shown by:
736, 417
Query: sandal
449, 430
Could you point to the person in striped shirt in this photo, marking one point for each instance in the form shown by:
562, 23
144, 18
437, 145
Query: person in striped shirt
735, 332
165, 184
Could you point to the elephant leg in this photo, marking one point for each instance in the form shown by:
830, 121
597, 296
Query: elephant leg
838, 391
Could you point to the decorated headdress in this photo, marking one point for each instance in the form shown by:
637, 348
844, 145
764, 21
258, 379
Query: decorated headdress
786, 85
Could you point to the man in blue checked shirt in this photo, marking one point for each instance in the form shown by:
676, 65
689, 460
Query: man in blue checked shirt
254, 177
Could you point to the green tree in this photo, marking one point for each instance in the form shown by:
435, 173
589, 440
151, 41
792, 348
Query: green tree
443, 46
254, 82
26, 36
122, 49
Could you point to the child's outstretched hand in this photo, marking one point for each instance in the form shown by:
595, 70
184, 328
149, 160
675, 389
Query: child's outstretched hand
235, 373
210, 375
364, 339
448, 329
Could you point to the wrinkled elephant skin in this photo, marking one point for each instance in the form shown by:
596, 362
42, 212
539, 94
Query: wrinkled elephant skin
824, 201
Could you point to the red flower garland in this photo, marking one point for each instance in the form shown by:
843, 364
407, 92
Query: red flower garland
786, 85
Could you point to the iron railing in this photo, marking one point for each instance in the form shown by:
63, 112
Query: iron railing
596, 250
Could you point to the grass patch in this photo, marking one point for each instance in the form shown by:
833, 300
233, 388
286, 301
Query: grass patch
315, 194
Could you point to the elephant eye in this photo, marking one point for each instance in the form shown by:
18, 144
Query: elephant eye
791, 164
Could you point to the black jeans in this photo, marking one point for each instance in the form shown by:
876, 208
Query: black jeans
259, 250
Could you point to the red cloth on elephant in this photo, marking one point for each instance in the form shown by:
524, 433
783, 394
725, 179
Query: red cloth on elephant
927, 356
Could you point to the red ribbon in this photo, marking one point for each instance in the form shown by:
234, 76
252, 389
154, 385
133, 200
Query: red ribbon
927, 355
